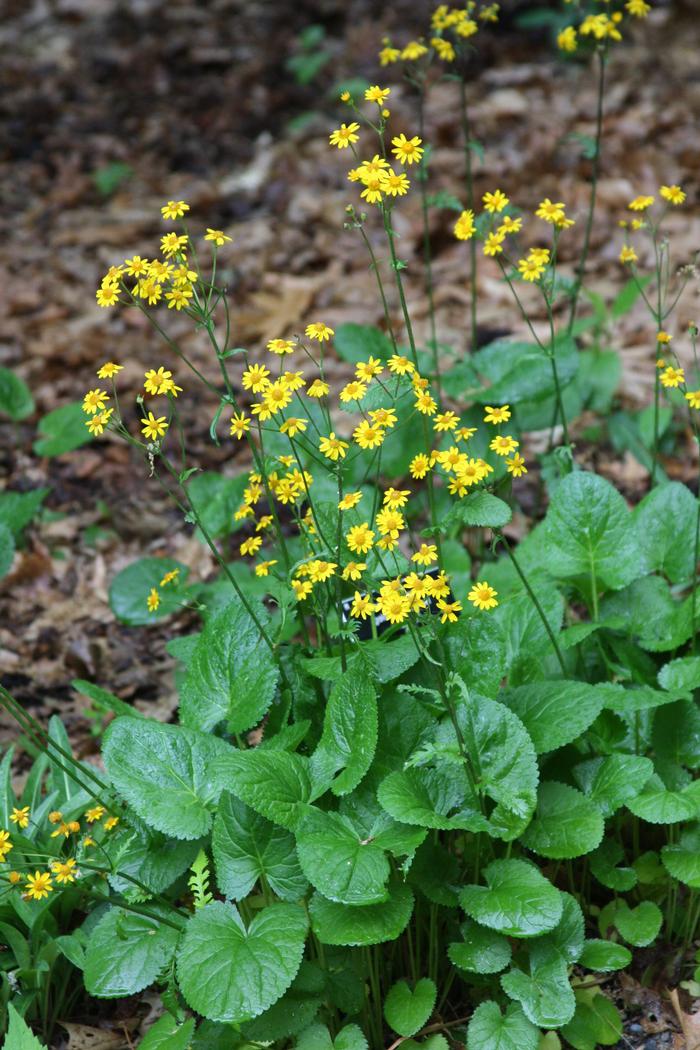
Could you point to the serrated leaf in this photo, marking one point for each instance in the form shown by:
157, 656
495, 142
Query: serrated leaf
682, 859
604, 956
490, 1030
438, 798
566, 823
544, 993
659, 805
481, 950
150, 857
407, 1010
230, 972
168, 774
518, 900
604, 863
596, 1023
665, 522
555, 713
676, 734
216, 499
232, 676
650, 614
247, 847
168, 1034
639, 926
477, 509
567, 938
276, 784
590, 532
293, 1012
368, 924
19, 1034
340, 863
681, 676
612, 781
477, 651
18, 508
126, 952
349, 737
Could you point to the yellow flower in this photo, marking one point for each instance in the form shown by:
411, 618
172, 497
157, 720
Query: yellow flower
426, 555
449, 610
395, 607
567, 39
362, 606
95, 813
497, 415
20, 817
400, 365
64, 871
439, 586
360, 538
673, 194
332, 447
531, 268
14, 877
5, 844
319, 388
377, 94
483, 596
640, 203
388, 55
174, 209
425, 403
444, 49
108, 295
464, 433
217, 236
353, 391
413, 51
178, 298
349, 500
255, 378
240, 425
38, 885
672, 377
111, 823
319, 331
170, 577
319, 571
55, 816
503, 444
264, 523
394, 184
516, 465
353, 570
693, 398
395, 498
251, 546
136, 267
368, 435
390, 522
263, 569
153, 600
628, 254
407, 151
419, 466
495, 202
551, 212
663, 337
154, 428
94, 401
293, 426
155, 380
96, 424
108, 370
367, 370
638, 8
493, 245
172, 244
383, 417
280, 346
464, 228
343, 136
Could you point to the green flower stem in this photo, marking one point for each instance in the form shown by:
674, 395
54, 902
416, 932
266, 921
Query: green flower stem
422, 176
581, 269
374, 266
137, 909
469, 178
500, 538
338, 584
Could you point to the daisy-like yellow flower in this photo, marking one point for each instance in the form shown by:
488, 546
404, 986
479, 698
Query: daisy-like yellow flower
345, 135
319, 571
153, 600
663, 337
353, 570
263, 568
255, 378
367, 370
261, 410
638, 8
353, 391
170, 577
400, 365
407, 151
179, 298
154, 428
388, 55
445, 421
672, 377
280, 346
302, 589
377, 94
516, 465
641, 203
94, 813
551, 212
94, 401
372, 192
240, 425
464, 228
20, 817
368, 435
319, 388
319, 331
495, 202
333, 448
531, 268
503, 444
628, 254
449, 611
464, 433
425, 403
396, 498
251, 546
493, 245
97, 424
360, 538
567, 40
419, 466
64, 872
509, 225
136, 267
497, 415
693, 398
673, 194
218, 237
108, 295
426, 554
413, 51
362, 606
5, 844
395, 607
383, 417
293, 426
14, 877
111, 823
108, 370
390, 522
349, 500
172, 244
444, 49
38, 885
394, 184
483, 596
155, 380
174, 209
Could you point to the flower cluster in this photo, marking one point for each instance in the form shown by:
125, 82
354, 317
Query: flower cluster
603, 27
450, 28
672, 196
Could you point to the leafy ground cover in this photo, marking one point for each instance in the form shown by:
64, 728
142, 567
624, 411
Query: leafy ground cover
429, 773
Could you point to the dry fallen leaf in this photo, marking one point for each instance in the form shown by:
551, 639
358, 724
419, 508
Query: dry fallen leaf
84, 1037
690, 1023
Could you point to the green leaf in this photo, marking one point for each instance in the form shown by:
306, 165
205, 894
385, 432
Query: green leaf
349, 736
246, 847
16, 400
589, 530
566, 823
639, 926
104, 700
555, 713
168, 774
19, 1034
364, 925
216, 500
612, 781
659, 805
407, 1010
126, 952
567, 938
437, 798
62, 430
628, 296
676, 734
477, 649
231, 973
293, 1012
490, 1030
605, 956
150, 857
356, 342
682, 858
604, 863
167, 1034
596, 1023
7, 550
107, 181
18, 508
317, 1037
480, 951
232, 676
340, 863
629, 701
651, 615
517, 902
477, 509
665, 522
276, 784
129, 590
519, 371
528, 646
681, 676
544, 993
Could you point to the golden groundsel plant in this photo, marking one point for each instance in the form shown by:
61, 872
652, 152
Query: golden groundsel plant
425, 787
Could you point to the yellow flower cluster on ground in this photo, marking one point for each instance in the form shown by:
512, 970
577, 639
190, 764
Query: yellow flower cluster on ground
449, 30
601, 28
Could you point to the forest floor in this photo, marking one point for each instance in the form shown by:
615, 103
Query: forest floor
196, 101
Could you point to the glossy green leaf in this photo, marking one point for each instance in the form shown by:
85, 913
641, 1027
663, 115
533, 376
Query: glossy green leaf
555, 713
639, 926
566, 823
168, 1034
339, 862
16, 400
407, 1009
604, 956
147, 855
659, 805
489, 1029
126, 952
481, 950
612, 781
544, 993
349, 738
293, 1012
676, 734
18, 508
518, 901
682, 859
130, 588
276, 784
596, 1023
216, 499
368, 924
231, 972
62, 430
19, 1034
665, 523
477, 510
